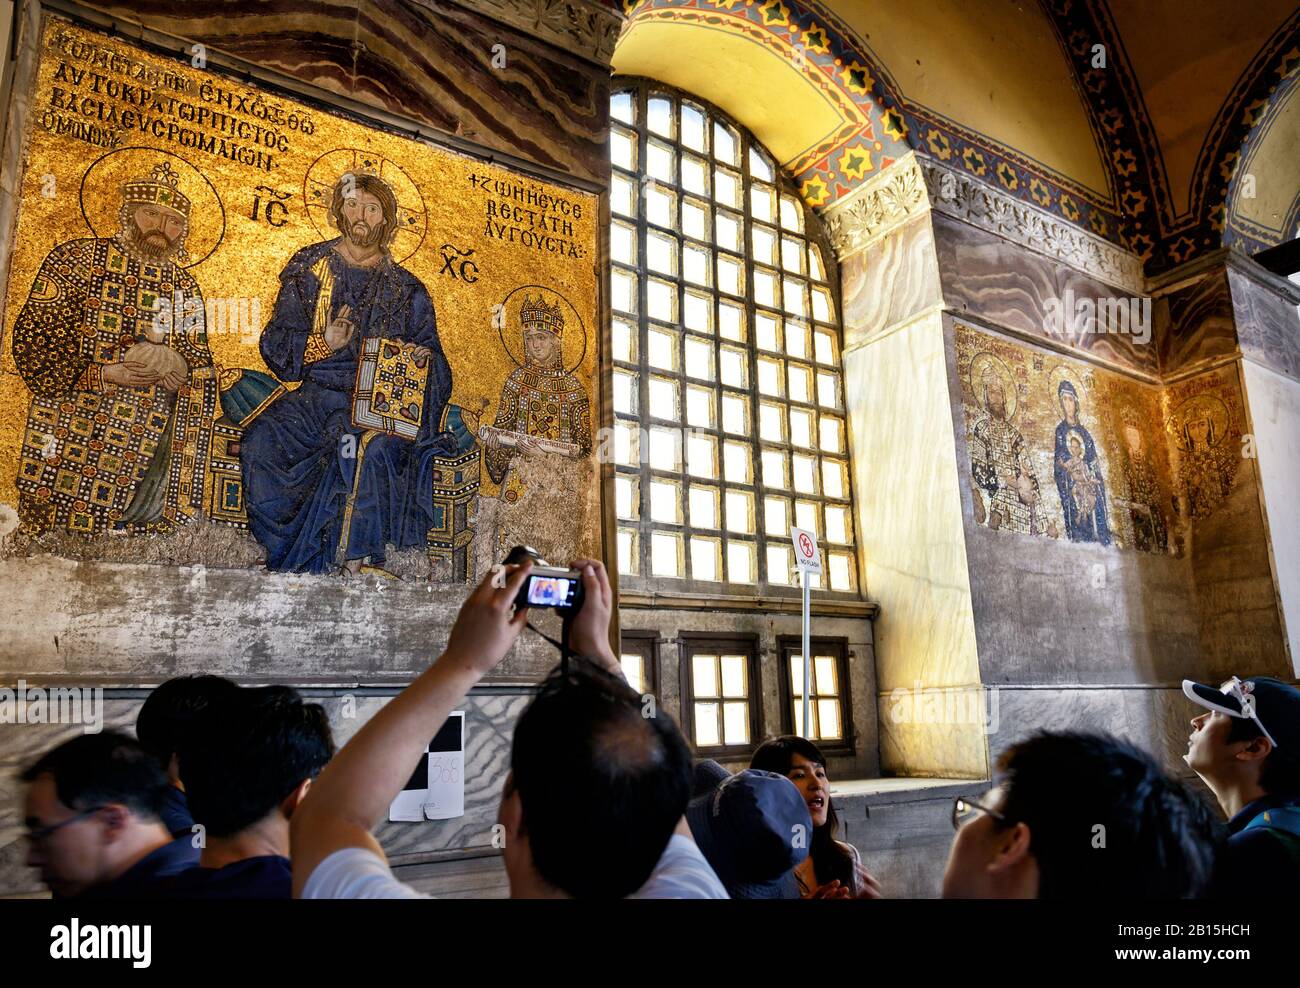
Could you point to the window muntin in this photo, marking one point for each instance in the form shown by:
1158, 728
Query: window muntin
726, 353
721, 694
829, 703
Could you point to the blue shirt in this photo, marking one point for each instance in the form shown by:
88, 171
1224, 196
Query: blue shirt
176, 814
1256, 863
266, 877
153, 871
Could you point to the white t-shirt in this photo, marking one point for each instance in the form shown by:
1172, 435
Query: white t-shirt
359, 873
682, 873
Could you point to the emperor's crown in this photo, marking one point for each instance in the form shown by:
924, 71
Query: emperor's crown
538, 315
160, 186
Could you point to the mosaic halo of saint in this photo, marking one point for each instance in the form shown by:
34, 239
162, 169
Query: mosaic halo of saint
565, 324
1001, 462
1199, 423
990, 376
1145, 502
1207, 466
119, 426
324, 175
108, 211
543, 406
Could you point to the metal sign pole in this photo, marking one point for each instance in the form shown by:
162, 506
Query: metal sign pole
807, 658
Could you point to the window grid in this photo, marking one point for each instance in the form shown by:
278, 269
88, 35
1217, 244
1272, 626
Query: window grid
721, 694
829, 697
754, 400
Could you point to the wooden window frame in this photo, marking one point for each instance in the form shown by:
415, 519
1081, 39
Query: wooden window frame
646, 642
789, 645
691, 643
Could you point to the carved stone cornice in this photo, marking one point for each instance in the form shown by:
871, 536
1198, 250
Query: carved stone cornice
876, 207
956, 194
585, 27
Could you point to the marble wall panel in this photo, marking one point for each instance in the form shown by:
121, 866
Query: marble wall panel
1274, 406
901, 427
131, 624
1268, 325
1156, 719
431, 62
1196, 325
986, 276
935, 732
889, 282
904, 837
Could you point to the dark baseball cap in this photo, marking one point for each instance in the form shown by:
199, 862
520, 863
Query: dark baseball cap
752, 827
1276, 705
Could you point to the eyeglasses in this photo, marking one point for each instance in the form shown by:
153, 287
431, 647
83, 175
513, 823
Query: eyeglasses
964, 810
1243, 693
41, 834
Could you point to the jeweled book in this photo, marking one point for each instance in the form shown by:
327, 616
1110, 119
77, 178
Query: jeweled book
389, 395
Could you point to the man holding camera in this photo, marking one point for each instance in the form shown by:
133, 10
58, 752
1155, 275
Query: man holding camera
597, 826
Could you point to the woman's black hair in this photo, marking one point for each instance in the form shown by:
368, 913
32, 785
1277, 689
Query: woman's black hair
832, 860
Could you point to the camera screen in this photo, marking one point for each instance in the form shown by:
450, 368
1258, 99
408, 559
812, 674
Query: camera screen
549, 591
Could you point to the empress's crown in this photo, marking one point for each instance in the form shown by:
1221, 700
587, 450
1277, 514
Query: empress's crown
161, 186
538, 315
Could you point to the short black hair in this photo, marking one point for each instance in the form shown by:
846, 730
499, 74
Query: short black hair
1280, 772
259, 744
1157, 840
602, 784
98, 769
174, 711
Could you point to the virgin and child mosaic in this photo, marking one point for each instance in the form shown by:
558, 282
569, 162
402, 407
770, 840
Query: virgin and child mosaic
1064, 451
305, 348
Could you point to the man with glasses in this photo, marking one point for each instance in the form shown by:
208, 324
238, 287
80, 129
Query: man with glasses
1081, 816
94, 829
1246, 748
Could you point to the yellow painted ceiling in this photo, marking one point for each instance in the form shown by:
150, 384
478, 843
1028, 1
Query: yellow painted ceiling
1275, 165
781, 106
993, 66
1186, 56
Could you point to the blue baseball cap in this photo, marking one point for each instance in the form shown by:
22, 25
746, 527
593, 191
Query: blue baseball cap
752, 827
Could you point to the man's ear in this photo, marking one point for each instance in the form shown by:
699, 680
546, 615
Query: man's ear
115, 818
1255, 750
1011, 850
291, 801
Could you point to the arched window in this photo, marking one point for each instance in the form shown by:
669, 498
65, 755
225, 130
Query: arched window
729, 405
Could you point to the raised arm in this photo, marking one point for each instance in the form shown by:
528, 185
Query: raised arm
354, 791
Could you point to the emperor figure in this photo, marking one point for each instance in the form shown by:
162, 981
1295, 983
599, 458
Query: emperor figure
543, 406
323, 494
112, 343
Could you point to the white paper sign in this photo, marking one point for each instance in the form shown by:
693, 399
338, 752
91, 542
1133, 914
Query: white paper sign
436, 789
807, 556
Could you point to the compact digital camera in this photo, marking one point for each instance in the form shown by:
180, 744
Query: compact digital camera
546, 586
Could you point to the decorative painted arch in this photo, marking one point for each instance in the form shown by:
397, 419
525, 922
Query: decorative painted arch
803, 83
821, 107
1260, 207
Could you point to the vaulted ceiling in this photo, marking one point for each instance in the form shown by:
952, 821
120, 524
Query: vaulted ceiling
1164, 125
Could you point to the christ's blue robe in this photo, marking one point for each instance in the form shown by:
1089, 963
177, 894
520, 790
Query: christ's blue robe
298, 467
1079, 527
